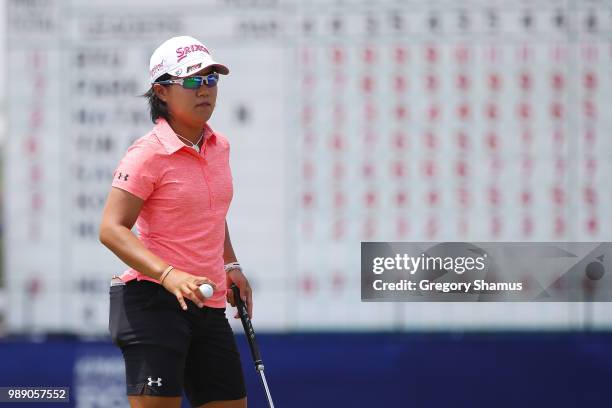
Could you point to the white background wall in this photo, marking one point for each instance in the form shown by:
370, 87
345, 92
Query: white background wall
3, 57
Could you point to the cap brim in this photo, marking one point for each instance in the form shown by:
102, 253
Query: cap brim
185, 66
220, 68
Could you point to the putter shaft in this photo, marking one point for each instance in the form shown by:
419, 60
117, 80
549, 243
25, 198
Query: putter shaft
250, 333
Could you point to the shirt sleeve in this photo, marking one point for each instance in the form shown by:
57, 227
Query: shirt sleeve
137, 172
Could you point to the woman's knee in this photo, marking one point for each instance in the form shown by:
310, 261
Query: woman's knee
148, 401
241, 403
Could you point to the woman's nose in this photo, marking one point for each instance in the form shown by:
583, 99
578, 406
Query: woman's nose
204, 90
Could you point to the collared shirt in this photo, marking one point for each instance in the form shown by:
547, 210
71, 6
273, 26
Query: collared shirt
186, 197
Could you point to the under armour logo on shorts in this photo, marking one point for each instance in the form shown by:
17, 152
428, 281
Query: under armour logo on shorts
151, 382
125, 177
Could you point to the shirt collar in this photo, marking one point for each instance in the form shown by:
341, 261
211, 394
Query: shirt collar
170, 140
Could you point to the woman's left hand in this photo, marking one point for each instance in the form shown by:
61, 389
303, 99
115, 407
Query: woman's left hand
236, 276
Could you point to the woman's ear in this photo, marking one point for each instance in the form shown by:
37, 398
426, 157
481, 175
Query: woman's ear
161, 92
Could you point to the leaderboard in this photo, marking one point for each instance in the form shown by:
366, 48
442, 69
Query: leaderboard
349, 121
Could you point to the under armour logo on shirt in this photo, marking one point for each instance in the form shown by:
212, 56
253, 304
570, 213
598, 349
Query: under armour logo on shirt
125, 176
151, 382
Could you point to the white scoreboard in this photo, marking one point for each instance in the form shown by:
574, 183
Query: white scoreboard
349, 121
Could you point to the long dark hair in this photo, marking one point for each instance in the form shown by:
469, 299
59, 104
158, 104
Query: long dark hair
157, 107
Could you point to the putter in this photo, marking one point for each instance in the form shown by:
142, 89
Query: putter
250, 333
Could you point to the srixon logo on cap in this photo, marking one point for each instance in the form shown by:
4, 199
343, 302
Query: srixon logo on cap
182, 52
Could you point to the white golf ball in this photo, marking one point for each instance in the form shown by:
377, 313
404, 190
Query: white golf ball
206, 290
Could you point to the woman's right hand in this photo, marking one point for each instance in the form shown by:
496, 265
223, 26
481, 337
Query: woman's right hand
185, 285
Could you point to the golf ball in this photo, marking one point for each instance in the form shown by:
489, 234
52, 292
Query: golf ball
206, 290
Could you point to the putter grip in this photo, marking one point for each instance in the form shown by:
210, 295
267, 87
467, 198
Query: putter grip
248, 327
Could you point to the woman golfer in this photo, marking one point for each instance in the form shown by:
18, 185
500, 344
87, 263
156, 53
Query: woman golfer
175, 184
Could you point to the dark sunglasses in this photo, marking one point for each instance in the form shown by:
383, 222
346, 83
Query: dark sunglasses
194, 82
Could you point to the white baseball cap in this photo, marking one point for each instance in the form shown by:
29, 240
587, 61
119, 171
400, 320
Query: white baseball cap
181, 57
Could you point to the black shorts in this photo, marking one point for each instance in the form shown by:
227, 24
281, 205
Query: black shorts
167, 349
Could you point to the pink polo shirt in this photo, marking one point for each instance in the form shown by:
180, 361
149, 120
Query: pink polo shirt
186, 197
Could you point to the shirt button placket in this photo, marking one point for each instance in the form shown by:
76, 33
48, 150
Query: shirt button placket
203, 165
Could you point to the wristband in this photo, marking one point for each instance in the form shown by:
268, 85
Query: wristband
231, 266
165, 273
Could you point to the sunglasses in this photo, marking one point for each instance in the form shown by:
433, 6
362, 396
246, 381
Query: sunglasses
194, 82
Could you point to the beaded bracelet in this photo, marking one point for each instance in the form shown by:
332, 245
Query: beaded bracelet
165, 273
